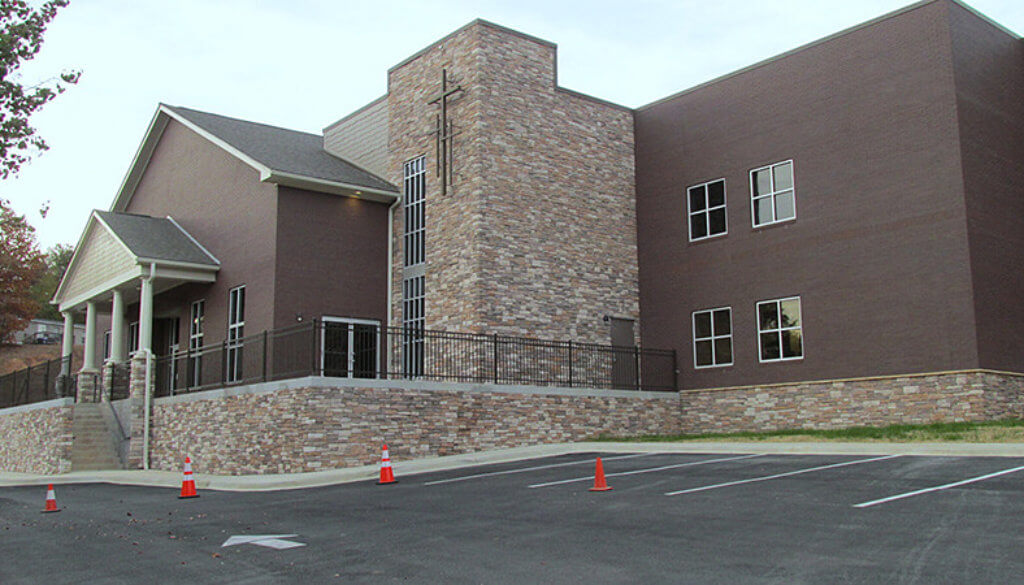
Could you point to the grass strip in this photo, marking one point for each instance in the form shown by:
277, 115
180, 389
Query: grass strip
997, 431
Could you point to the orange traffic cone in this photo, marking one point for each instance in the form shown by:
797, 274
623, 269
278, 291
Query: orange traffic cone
599, 483
386, 474
51, 500
188, 485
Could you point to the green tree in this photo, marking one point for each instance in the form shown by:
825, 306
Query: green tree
21, 36
21, 264
57, 260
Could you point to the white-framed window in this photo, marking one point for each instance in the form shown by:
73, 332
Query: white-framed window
236, 331
712, 337
772, 194
415, 183
413, 323
706, 210
133, 337
780, 330
106, 345
413, 279
197, 315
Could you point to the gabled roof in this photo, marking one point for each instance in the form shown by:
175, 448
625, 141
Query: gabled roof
282, 156
156, 238
124, 246
280, 149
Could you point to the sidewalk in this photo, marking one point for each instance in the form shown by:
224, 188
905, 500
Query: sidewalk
270, 482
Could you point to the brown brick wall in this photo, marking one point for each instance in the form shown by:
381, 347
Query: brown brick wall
317, 428
965, 396
878, 251
988, 64
36, 440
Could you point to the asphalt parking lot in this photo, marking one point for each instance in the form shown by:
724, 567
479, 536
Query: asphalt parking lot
671, 518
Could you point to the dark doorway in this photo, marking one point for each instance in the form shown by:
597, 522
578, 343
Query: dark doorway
624, 355
350, 348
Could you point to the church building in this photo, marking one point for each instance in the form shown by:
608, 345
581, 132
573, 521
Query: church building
848, 216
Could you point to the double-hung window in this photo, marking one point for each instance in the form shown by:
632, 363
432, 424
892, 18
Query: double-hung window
195, 342
133, 337
772, 195
236, 331
706, 210
712, 337
780, 330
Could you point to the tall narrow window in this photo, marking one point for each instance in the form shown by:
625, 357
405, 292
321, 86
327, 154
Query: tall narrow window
133, 337
195, 343
415, 219
772, 196
707, 210
236, 331
413, 324
413, 273
780, 330
712, 337
106, 345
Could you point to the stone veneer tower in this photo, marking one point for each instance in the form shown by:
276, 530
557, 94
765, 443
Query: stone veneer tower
536, 235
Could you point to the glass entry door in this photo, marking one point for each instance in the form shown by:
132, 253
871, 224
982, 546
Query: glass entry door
350, 348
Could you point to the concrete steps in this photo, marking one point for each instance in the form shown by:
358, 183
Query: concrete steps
93, 447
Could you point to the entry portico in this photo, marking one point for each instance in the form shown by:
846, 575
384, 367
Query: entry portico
124, 259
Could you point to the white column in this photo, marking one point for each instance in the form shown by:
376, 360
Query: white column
117, 328
89, 360
146, 315
68, 343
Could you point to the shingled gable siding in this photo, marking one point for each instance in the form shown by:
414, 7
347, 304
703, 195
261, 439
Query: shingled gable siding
37, 437
321, 423
878, 252
537, 236
362, 138
945, 397
101, 258
221, 203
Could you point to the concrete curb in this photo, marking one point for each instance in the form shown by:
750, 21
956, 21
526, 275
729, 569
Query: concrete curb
272, 482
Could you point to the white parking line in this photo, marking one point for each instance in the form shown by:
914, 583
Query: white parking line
648, 470
525, 469
778, 475
938, 488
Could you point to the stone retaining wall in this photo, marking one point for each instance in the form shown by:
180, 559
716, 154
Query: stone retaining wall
318, 423
949, 397
37, 437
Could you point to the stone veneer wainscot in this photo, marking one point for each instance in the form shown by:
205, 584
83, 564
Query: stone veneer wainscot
315, 424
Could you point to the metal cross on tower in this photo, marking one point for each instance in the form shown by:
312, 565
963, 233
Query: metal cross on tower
444, 133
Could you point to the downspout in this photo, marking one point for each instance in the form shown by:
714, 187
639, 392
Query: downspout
391, 234
149, 386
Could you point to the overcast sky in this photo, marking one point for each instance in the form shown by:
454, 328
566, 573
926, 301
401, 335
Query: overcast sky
302, 64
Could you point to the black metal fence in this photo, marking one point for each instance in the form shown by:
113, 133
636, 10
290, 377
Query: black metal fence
350, 349
37, 383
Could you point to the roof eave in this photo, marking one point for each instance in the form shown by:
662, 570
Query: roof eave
332, 187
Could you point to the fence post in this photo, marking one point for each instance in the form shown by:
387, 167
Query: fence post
46, 379
312, 350
675, 372
495, 358
570, 363
636, 366
264, 355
